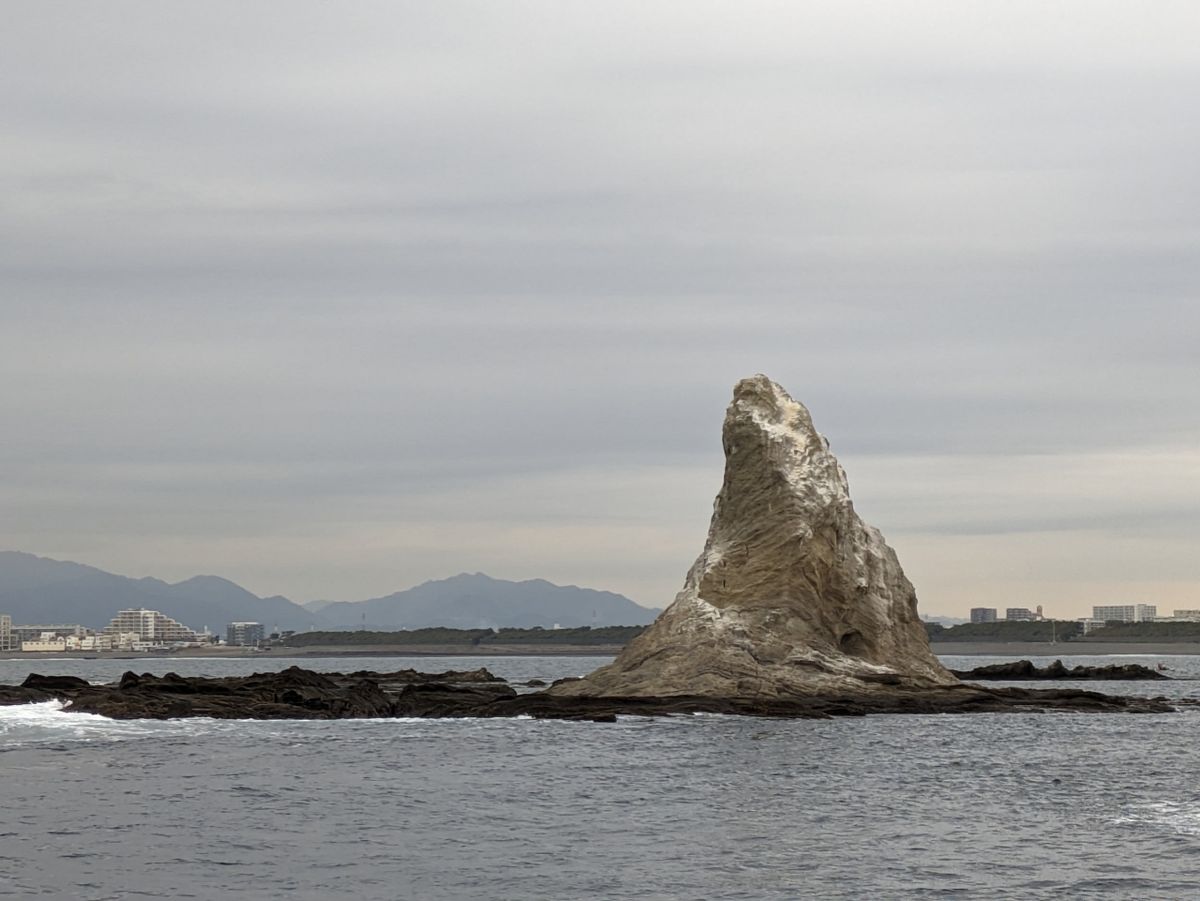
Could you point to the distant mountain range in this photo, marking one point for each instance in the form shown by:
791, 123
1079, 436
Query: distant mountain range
474, 601
40, 590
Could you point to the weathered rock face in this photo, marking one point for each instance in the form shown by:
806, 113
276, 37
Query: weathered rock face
793, 594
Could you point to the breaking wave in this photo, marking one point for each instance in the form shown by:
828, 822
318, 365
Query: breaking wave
47, 721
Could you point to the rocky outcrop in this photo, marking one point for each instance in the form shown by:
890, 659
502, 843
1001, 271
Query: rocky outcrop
1024, 671
293, 693
54, 683
793, 595
302, 694
406, 676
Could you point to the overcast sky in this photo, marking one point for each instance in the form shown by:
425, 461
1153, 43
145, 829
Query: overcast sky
332, 299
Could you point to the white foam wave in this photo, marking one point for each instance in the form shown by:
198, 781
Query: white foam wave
1181, 817
48, 721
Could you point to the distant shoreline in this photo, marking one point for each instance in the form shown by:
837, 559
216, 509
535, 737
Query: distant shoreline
425, 650
1015, 649
1061, 648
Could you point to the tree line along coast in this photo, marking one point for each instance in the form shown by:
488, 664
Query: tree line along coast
1041, 631
613, 636
1065, 631
583, 636
148, 631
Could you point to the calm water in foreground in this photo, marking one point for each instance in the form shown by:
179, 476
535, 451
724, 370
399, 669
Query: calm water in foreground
985, 806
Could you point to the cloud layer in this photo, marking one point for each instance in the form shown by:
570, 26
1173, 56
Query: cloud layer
332, 303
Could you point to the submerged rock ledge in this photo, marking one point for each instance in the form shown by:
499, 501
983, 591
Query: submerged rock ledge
1025, 670
297, 693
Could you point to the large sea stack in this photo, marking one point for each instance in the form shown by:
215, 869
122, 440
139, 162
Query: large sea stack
794, 595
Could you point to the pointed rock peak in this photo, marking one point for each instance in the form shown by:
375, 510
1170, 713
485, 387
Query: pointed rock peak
793, 594
766, 403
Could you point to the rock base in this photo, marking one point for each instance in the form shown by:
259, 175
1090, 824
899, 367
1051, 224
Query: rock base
297, 693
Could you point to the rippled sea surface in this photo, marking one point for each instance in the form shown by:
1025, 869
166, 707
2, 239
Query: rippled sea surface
983, 806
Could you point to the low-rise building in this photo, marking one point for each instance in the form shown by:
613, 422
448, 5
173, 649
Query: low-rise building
35, 631
244, 634
47, 641
1021, 615
89, 642
127, 641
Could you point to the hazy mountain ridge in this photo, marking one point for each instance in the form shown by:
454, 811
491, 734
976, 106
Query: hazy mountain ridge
474, 600
41, 590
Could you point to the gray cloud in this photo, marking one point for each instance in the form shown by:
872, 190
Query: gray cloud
336, 302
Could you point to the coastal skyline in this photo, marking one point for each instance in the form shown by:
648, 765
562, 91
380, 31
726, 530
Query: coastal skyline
333, 305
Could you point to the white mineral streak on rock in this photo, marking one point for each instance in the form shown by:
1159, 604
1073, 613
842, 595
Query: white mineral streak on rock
793, 593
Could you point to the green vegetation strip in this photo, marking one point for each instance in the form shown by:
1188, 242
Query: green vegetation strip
1064, 630
1145, 632
1015, 631
606, 635
1060, 630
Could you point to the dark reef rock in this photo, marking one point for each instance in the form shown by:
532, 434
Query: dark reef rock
951, 699
297, 693
1024, 671
411, 675
430, 699
294, 693
54, 683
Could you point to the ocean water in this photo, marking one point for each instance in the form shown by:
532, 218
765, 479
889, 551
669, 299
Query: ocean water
984, 806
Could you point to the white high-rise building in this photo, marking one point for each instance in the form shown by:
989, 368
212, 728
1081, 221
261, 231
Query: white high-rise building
149, 626
1125, 613
7, 642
